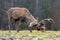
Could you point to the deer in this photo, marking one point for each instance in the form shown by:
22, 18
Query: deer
22, 15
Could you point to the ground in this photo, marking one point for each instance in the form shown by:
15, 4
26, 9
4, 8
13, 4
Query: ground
48, 35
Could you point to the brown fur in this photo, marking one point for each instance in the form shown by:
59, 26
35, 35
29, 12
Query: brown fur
16, 13
42, 27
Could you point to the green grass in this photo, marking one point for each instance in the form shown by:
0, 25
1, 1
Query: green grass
26, 33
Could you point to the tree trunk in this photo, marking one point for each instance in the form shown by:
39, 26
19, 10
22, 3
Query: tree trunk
36, 7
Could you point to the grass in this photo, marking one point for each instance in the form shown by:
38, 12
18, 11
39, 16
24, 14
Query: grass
34, 34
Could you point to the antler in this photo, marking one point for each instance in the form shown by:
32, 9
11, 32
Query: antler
50, 20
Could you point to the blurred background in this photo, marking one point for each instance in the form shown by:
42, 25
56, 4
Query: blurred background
39, 8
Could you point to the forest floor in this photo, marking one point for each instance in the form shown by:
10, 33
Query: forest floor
26, 35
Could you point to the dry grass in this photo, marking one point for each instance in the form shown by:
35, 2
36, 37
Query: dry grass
25, 33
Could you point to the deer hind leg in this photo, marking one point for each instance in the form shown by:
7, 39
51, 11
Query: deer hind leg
17, 26
9, 22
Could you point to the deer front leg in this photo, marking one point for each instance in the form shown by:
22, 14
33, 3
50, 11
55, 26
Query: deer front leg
30, 27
